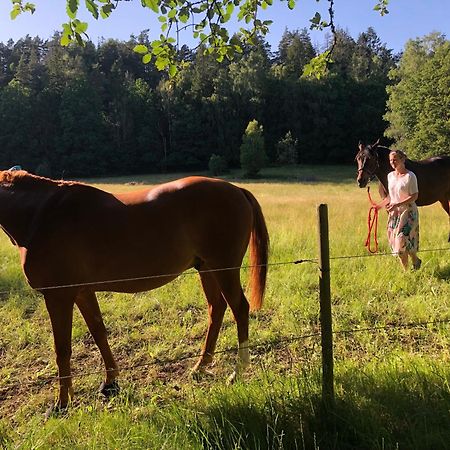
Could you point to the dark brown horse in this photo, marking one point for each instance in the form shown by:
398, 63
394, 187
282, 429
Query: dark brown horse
433, 174
75, 239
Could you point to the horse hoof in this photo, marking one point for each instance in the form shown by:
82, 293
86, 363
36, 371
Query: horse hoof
110, 389
56, 411
232, 378
196, 374
201, 373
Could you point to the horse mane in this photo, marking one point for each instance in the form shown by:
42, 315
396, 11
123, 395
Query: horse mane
10, 178
382, 148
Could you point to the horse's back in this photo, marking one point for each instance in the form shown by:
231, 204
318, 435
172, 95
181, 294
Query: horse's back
199, 212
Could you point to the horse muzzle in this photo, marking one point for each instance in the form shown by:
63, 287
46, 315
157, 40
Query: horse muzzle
362, 181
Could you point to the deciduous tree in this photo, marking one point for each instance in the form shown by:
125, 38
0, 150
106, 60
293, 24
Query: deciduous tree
419, 101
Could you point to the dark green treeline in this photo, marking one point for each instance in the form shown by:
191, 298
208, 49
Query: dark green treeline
99, 110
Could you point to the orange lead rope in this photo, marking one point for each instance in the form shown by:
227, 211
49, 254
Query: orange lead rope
372, 224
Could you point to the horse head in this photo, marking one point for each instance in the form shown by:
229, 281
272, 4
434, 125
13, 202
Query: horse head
367, 160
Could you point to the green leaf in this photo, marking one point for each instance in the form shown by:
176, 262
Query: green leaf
172, 70
147, 58
317, 67
152, 4
81, 27
30, 7
106, 10
72, 8
92, 7
291, 4
79, 40
15, 12
230, 9
65, 40
316, 19
140, 48
161, 63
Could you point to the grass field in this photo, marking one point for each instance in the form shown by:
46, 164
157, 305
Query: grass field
392, 380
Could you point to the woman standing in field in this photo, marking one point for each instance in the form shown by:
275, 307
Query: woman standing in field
403, 220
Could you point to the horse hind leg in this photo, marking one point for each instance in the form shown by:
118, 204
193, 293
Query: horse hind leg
216, 311
230, 285
446, 205
88, 305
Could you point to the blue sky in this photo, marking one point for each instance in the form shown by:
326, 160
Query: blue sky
407, 19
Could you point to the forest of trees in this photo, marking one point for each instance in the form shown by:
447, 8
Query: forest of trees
98, 110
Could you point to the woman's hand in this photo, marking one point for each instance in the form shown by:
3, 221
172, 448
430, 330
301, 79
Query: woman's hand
384, 203
391, 206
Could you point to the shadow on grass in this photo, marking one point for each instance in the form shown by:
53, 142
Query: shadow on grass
409, 411
10, 286
443, 273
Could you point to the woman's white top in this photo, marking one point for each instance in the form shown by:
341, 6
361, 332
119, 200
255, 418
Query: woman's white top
401, 187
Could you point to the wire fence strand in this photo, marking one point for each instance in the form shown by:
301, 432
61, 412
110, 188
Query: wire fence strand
264, 347
194, 272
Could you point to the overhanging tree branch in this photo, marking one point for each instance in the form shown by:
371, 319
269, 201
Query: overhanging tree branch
210, 28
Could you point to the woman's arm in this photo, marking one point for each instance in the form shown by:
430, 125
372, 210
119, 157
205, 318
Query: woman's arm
410, 199
385, 202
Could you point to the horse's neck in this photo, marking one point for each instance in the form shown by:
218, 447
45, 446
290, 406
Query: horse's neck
18, 212
383, 166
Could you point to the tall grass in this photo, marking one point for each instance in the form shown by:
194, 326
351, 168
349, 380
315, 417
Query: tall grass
392, 382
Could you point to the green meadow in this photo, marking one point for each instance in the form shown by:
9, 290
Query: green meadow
391, 342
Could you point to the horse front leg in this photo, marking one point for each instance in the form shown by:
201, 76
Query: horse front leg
60, 309
88, 305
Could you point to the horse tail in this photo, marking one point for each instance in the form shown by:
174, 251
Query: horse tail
259, 253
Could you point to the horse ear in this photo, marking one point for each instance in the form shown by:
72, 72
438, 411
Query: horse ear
376, 143
360, 145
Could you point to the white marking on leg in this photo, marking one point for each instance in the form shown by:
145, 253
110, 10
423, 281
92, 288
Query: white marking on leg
242, 363
244, 355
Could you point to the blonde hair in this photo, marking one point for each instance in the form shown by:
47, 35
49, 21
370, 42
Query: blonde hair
399, 153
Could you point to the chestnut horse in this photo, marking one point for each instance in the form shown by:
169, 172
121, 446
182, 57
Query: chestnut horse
75, 239
433, 174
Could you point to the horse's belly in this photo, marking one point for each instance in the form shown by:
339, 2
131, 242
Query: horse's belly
137, 284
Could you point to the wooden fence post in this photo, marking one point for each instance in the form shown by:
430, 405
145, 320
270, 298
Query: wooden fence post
325, 307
